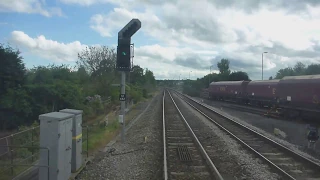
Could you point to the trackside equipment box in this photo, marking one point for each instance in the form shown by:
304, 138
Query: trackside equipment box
55, 134
76, 159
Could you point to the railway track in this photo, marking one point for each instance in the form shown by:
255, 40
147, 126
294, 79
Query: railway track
184, 156
284, 161
267, 112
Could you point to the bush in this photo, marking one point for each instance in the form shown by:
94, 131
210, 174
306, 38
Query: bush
135, 93
87, 111
144, 93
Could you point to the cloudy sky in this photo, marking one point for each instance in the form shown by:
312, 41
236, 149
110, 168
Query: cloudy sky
176, 37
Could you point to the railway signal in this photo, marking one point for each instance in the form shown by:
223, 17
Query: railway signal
124, 63
124, 45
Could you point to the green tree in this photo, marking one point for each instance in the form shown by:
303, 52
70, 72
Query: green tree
213, 77
149, 83
193, 88
12, 69
223, 66
137, 76
149, 77
15, 108
14, 102
53, 88
100, 64
285, 72
299, 68
25, 94
313, 69
97, 60
83, 75
238, 76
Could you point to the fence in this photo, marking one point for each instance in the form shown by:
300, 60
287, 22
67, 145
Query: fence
107, 100
85, 140
19, 152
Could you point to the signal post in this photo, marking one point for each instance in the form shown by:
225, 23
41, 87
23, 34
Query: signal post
124, 64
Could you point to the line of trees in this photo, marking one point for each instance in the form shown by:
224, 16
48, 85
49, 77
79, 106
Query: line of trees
26, 93
297, 70
193, 88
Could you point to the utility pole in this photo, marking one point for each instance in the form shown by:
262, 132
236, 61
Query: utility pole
210, 74
262, 65
124, 64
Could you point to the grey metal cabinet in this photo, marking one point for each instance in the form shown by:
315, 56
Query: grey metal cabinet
56, 134
76, 160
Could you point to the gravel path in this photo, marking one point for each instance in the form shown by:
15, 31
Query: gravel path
139, 157
232, 161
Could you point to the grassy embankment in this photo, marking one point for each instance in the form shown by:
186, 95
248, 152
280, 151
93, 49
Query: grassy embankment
100, 135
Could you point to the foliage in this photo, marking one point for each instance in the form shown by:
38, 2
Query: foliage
13, 97
53, 88
144, 93
12, 69
193, 88
99, 134
135, 93
298, 70
149, 78
137, 76
98, 60
313, 69
238, 76
223, 66
25, 94
285, 72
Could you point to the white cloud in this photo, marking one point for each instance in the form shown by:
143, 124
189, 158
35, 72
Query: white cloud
28, 6
161, 69
93, 2
46, 48
191, 35
225, 31
166, 62
294, 31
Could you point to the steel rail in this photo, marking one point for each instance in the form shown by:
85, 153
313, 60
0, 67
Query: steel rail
301, 157
210, 164
165, 168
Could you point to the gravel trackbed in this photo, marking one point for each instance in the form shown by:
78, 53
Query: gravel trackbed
140, 157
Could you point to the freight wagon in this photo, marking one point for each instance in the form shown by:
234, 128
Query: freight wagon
299, 95
294, 96
228, 90
262, 93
